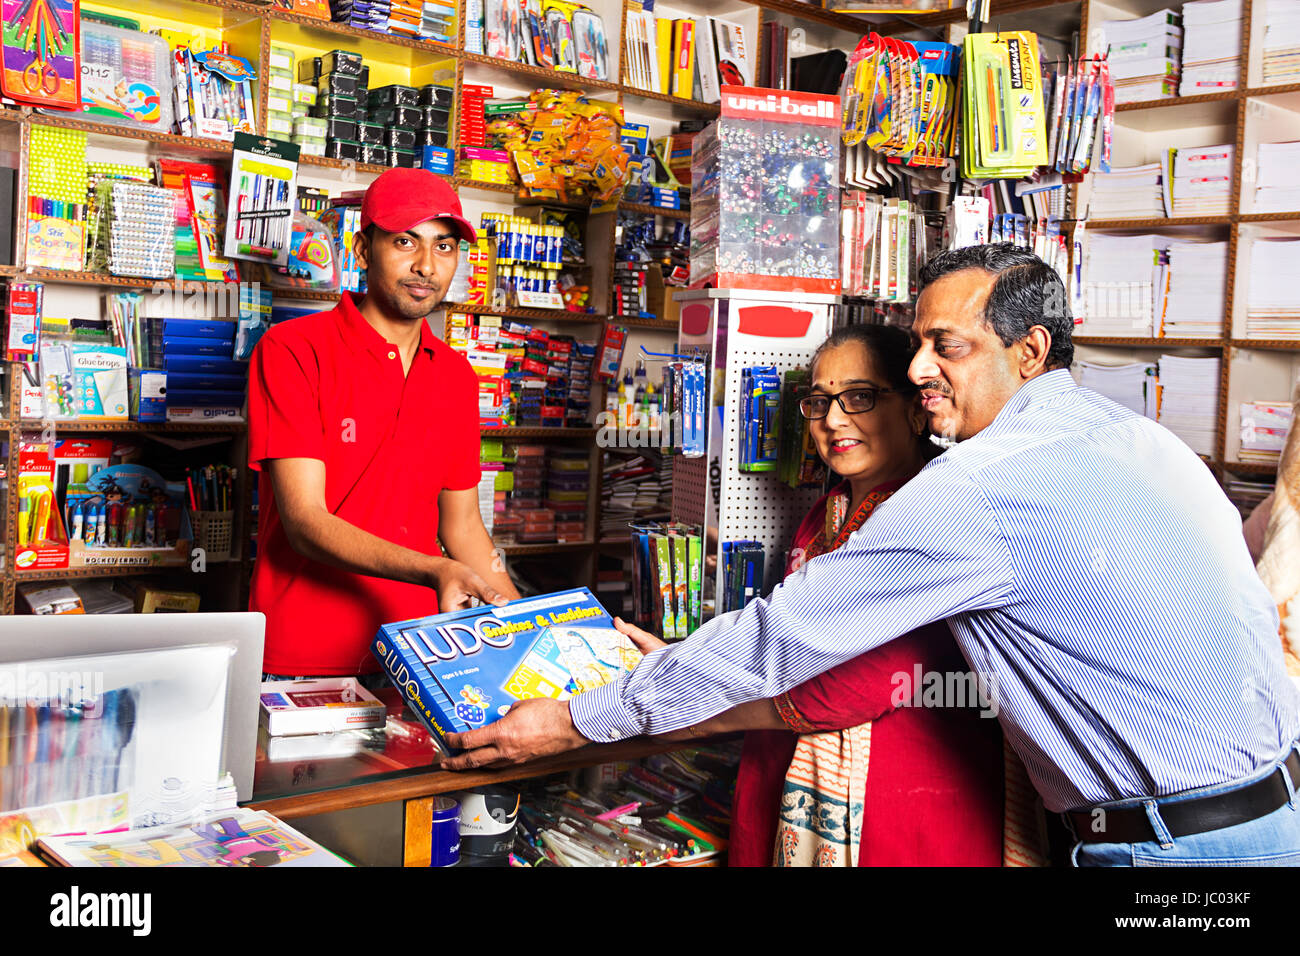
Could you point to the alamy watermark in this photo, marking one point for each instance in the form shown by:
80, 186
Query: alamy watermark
42, 687
957, 689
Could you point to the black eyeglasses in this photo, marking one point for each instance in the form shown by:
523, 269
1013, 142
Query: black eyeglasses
853, 401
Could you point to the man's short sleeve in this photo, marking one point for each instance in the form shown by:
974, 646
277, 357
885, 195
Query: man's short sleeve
463, 469
284, 403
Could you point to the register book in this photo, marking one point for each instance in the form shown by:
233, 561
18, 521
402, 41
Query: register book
463, 669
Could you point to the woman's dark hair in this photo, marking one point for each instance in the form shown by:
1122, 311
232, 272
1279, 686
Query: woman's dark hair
1026, 292
889, 346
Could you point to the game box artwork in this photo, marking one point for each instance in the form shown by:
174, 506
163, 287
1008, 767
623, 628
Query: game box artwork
463, 669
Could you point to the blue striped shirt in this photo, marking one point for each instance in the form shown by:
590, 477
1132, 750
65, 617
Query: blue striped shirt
1084, 557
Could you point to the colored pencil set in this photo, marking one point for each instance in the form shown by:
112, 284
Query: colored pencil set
265, 215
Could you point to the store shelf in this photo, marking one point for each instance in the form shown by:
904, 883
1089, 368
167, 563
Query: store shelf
1105, 340
1269, 217
1272, 344
633, 323
315, 24
172, 284
648, 210
1251, 468
191, 144
60, 425
113, 571
1159, 223
1176, 101
426, 782
526, 550
679, 104
1270, 90
547, 78
534, 315
538, 433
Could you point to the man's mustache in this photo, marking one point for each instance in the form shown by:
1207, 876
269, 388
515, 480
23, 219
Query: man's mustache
939, 387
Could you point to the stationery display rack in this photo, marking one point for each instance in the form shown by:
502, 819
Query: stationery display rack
250, 29
1251, 369
1254, 112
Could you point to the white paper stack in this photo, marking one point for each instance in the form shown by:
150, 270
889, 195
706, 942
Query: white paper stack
1202, 183
1281, 40
1127, 192
1273, 299
1277, 188
1264, 427
1119, 274
1211, 46
1132, 385
1189, 399
1144, 56
1198, 276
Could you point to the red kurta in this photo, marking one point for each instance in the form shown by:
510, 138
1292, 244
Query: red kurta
934, 780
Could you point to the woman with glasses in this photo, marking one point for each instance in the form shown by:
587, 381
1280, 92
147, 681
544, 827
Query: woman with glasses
859, 766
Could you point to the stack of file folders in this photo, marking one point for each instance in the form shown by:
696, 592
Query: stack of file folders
1127, 192
1281, 63
1197, 284
1145, 55
1276, 186
1273, 300
1189, 399
1211, 46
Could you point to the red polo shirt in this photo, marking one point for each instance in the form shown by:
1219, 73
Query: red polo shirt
328, 386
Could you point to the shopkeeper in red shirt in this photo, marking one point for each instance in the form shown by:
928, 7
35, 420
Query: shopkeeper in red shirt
364, 426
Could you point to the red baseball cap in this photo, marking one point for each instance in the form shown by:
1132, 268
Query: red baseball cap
402, 198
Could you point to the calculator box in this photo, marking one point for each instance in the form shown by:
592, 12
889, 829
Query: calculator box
189, 345
125, 77
200, 328
204, 364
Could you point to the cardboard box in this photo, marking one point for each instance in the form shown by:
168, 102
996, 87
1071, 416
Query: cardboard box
321, 706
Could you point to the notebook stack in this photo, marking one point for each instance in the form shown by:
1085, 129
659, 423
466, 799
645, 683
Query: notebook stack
1145, 55
1202, 181
1273, 303
1119, 274
1189, 396
1132, 385
1276, 187
1197, 281
1281, 61
1127, 192
1264, 428
1211, 46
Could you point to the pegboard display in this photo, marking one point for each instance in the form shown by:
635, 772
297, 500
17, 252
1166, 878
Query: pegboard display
741, 330
755, 506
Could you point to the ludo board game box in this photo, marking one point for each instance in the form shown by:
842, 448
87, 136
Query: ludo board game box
463, 669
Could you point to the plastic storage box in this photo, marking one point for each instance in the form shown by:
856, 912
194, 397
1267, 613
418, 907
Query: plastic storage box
765, 192
125, 77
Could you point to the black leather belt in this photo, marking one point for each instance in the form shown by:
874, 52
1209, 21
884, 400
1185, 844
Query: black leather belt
1198, 815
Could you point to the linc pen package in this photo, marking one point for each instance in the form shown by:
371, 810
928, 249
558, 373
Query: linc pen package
462, 670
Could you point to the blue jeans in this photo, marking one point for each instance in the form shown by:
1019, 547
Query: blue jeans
1270, 840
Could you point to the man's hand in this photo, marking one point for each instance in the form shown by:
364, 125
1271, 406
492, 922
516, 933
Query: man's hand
531, 729
456, 583
644, 641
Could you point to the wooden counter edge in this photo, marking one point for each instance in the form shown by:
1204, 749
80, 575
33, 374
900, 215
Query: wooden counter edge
416, 786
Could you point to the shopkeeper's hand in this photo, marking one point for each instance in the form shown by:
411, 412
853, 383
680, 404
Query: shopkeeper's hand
531, 729
644, 641
456, 583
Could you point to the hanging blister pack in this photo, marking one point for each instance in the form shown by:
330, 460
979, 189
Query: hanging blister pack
591, 48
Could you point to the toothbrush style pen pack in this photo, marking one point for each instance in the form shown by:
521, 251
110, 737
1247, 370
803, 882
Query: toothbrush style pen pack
463, 669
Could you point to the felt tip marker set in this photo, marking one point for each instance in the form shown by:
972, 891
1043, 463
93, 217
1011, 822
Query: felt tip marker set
262, 201
742, 573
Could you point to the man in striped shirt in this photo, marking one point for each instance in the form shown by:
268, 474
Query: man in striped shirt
1089, 566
